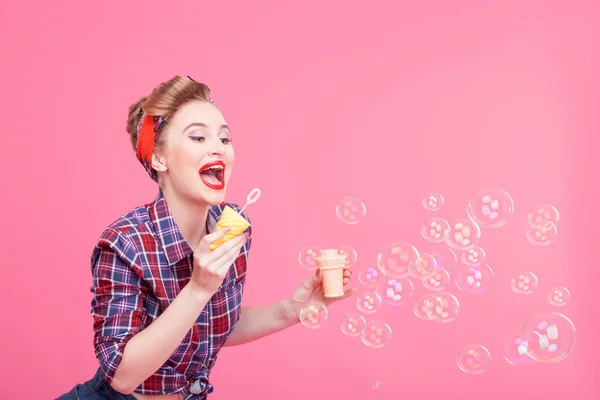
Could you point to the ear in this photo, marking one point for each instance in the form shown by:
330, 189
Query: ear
159, 163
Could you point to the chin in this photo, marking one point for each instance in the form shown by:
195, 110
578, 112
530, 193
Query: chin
213, 197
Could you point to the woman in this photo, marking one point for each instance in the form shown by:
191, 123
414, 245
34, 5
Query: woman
163, 304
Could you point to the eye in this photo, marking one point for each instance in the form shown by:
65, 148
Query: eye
197, 138
225, 140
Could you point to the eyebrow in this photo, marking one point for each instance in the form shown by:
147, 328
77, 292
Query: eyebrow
201, 125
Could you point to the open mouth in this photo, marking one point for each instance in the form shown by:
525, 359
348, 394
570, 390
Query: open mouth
213, 175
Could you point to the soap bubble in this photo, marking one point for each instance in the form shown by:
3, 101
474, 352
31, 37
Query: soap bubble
396, 260
433, 202
542, 236
376, 334
559, 296
378, 385
463, 235
434, 230
474, 279
350, 253
540, 216
426, 266
439, 280
351, 210
515, 352
447, 311
424, 307
313, 314
369, 277
551, 337
474, 359
473, 257
353, 324
308, 257
524, 282
490, 208
395, 291
368, 302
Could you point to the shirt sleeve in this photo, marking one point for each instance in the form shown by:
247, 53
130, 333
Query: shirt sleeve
117, 304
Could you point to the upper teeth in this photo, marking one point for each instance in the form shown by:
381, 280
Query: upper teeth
215, 167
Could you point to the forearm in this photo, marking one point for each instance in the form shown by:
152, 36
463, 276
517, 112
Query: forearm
148, 350
258, 322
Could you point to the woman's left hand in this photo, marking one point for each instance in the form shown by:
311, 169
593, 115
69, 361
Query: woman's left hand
312, 289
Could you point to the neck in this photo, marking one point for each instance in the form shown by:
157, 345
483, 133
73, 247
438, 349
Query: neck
190, 216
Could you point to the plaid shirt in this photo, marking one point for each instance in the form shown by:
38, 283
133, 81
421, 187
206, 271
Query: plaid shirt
139, 265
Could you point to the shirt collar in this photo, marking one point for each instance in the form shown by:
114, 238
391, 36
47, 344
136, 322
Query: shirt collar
169, 236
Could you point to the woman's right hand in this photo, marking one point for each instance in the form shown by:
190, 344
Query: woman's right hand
210, 267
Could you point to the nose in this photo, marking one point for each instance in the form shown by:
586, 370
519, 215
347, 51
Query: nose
217, 148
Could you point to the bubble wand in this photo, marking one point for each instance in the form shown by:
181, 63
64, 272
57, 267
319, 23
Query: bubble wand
251, 198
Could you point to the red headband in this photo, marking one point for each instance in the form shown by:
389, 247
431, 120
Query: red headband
148, 133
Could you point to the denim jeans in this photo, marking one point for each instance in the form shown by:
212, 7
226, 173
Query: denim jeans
95, 389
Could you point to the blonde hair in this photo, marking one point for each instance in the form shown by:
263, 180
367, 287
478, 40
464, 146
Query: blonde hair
164, 100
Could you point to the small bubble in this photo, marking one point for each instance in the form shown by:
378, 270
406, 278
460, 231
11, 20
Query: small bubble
434, 230
433, 202
474, 279
352, 324
313, 314
463, 235
474, 359
473, 257
559, 296
308, 257
351, 210
376, 334
378, 385
540, 216
490, 208
368, 302
524, 282
542, 236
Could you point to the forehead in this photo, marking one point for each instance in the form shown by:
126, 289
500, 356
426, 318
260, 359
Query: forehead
198, 111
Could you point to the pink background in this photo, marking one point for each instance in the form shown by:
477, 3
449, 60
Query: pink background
379, 100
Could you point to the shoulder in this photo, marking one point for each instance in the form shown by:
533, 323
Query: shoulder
130, 222
119, 236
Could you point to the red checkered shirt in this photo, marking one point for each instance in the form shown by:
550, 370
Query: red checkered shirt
139, 265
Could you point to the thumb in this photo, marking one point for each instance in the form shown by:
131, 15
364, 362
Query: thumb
348, 293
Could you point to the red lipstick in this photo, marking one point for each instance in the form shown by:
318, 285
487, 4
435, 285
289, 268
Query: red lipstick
212, 175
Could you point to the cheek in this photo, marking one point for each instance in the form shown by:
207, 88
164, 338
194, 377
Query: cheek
185, 156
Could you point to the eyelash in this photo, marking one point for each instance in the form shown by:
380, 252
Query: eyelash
201, 138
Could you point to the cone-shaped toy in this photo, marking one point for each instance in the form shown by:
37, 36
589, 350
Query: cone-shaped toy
231, 218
